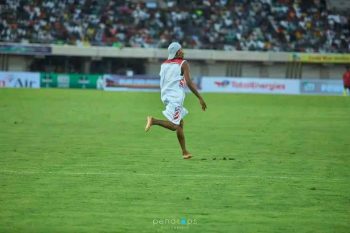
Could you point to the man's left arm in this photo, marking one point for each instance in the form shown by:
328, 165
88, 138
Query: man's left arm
191, 86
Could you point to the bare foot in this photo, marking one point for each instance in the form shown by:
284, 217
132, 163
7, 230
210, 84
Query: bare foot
148, 123
187, 155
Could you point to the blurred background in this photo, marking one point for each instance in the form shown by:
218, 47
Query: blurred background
271, 39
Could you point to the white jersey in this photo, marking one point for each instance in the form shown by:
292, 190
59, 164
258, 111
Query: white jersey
172, 83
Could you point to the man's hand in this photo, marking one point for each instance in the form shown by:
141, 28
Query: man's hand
203, 104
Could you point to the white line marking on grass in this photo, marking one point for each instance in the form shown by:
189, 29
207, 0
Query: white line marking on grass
63, 173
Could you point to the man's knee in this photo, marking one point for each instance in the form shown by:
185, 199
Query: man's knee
176, 127
182, 123
173, 127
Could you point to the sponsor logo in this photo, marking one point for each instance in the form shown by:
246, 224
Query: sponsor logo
63, 81
47, 80
17, 81
256, 85
84, 81
331, 88
6, 81
250, 85
223, 83
309, 87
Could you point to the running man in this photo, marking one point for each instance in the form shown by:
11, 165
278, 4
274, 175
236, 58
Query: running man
174, 76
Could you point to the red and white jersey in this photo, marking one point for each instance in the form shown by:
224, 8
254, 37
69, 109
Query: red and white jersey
172, 83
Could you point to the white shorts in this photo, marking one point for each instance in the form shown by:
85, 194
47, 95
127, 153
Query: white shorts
175, 113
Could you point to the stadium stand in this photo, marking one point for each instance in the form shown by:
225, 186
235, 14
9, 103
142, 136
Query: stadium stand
251, 25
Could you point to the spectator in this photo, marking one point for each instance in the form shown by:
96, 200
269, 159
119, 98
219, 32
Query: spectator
346, 81
256, 25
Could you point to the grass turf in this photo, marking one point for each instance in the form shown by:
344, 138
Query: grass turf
79, 161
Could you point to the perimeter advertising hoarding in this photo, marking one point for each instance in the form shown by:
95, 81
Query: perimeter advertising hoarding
19, 80
131, 83
320, 58
323, 87
84, 81
250, 85
25, 49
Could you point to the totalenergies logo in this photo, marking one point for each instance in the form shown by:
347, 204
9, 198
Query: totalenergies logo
223, 83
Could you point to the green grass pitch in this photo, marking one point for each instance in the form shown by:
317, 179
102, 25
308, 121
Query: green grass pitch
80, 161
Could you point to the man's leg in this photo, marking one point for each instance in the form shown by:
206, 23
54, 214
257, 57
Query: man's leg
169, 125
181, 138
165, 124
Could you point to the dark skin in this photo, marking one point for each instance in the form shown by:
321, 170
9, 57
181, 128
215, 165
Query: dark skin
185, 70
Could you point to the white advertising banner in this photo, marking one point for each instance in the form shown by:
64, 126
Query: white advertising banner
131, 83
250, 85
19, 80
322, 87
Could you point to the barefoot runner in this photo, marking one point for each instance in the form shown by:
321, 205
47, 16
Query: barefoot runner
174, 75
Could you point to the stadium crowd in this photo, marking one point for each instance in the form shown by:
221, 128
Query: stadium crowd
256, 25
